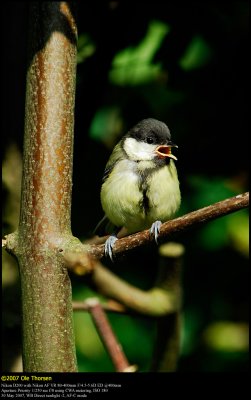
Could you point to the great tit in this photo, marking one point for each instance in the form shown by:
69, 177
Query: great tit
140, 187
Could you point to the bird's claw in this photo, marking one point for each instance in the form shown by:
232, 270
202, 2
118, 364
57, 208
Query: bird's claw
109, 246
155, 230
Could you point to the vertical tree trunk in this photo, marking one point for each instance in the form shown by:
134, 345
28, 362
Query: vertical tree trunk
48, 339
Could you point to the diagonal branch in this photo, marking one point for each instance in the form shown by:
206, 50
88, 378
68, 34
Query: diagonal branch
108, 337
80, 256
157, 301
178, 225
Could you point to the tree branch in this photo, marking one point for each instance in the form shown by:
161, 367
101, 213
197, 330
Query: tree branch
157, 301
162, 299
109, 306
178, 225
108, 337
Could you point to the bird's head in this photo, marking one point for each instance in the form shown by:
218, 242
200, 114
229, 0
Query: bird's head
149, 140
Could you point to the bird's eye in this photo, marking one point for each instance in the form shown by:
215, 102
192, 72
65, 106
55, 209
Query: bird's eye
149, 139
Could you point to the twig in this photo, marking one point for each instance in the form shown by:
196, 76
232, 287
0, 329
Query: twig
108, 337
177, 225
109, 306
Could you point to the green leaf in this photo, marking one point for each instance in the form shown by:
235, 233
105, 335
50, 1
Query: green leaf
85, 49
133, 65
227, 336
238, 231
231, 229
107, 125
197, 54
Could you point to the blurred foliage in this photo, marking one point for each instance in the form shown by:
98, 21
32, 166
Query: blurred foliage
106, 125
133, 66
227, 336
86, 48
185, 64
196, 55
221, 231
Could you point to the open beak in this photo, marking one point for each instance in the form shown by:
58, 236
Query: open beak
164, 151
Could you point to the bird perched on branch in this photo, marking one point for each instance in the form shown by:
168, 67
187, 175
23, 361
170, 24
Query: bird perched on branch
140, 187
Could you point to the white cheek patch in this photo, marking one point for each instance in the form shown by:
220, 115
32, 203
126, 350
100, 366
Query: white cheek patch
139, 151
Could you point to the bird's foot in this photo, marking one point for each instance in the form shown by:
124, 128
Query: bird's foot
109, 246
155, 229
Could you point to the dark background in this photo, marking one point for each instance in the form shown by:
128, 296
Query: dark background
197, 82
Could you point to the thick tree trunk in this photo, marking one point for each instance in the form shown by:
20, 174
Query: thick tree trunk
48, 339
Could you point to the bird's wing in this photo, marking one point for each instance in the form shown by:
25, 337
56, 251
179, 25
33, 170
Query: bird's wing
107, 171
116, 156
105, 226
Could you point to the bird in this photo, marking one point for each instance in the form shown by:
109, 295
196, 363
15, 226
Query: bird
140, 187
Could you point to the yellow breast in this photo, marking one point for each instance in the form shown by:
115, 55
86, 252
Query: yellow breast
122, 196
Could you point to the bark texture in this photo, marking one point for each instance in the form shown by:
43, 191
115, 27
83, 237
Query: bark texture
48, 339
